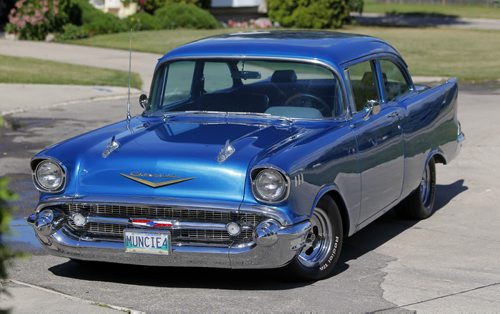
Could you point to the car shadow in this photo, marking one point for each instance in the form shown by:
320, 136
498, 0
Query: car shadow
390, 225
380, 231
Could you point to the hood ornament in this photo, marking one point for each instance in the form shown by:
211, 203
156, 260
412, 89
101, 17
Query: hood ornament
112, 146
225, 152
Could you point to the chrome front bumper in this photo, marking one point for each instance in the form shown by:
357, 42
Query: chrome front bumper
273, 246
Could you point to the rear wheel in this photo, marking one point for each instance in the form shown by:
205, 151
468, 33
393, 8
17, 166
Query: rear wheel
319, 256
420, 203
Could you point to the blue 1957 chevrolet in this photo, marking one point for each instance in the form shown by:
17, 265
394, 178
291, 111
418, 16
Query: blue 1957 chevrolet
254, 150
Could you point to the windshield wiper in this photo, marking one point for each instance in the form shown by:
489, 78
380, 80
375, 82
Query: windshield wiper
287, 120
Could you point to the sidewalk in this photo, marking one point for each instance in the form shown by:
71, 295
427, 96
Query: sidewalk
142, 63
26, 298
25, 97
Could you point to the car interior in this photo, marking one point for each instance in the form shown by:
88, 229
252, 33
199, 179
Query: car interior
281, 94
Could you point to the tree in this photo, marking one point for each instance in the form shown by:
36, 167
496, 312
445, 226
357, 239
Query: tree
5, 196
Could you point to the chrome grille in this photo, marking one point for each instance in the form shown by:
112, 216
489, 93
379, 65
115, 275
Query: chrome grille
218, 236
115, 231
158, 212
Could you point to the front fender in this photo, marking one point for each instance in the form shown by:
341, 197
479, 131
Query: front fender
349, 216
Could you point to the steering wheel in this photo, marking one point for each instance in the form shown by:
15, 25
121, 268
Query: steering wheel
308, 100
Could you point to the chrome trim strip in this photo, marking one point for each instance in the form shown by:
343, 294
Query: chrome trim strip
198, 226
175, 224
108, 220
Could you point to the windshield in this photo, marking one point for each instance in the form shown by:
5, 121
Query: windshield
277, 88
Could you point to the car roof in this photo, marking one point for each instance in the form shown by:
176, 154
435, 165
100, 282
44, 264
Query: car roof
335, 48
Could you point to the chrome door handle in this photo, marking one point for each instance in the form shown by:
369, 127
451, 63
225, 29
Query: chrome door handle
393, 114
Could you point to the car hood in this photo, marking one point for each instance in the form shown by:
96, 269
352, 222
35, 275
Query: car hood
176, 158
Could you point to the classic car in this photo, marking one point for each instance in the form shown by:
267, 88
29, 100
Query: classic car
254, 150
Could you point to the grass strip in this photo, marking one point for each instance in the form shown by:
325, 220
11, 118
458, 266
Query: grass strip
36, 71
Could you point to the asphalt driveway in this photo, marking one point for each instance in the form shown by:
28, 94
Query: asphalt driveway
448, 263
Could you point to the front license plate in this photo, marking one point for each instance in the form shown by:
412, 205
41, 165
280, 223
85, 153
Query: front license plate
149, 242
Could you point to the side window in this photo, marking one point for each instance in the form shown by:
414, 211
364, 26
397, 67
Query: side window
179, 77
216, 76
364, 87
395, 83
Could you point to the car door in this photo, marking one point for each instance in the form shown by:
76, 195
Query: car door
380, 141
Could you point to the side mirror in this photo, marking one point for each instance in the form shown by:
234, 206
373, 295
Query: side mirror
143, 101
372, 108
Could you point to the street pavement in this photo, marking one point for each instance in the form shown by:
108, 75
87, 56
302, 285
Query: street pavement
142, 63
422, 20
26, 97
447, 263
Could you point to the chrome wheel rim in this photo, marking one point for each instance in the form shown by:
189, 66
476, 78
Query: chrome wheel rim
318, 240
425, 185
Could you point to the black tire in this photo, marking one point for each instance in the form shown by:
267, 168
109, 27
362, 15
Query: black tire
420, 203
321, 263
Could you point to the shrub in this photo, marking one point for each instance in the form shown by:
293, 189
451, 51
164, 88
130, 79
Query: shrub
150, 6
5, 254
356, 6
71, 31
185, 16
34, 19
142, 21
105, 24
95, 22
309, 13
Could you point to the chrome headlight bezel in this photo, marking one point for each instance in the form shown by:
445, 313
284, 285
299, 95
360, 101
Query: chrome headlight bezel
37, 163
259, 196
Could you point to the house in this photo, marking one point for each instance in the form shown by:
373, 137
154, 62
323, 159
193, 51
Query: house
238, 9
115, 7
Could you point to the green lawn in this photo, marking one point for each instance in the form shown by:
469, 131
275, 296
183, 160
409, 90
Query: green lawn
149, 41
35, 71
470, 11
471, 55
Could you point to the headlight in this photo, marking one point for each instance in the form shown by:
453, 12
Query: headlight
49, 176
269, 185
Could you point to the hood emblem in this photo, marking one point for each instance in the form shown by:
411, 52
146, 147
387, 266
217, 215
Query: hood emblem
151, 223
225, 152
154, 184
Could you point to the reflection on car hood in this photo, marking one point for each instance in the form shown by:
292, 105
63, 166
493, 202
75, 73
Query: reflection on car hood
153, 152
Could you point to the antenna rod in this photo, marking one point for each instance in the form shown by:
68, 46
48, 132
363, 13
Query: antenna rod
129, 73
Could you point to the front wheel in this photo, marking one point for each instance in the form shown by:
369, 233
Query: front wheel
319, 256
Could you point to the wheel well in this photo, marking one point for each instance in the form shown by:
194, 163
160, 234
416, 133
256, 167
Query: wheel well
439, 159
342, 208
